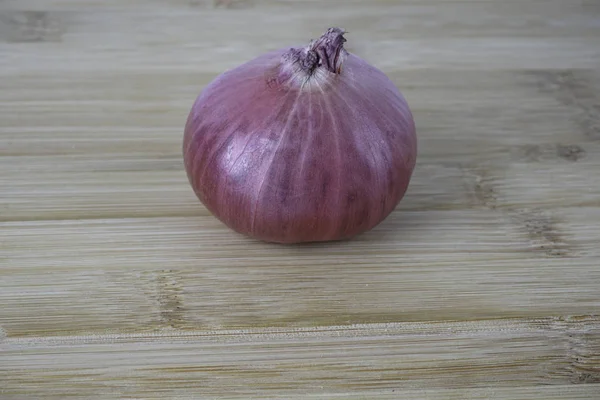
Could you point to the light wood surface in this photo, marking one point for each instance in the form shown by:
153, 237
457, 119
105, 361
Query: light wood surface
116, 283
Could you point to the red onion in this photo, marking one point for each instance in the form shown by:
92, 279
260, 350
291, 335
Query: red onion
301, 144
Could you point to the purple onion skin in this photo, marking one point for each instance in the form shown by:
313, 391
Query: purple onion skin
301, 146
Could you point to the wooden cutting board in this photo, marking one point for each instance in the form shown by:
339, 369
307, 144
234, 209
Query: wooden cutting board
116, 283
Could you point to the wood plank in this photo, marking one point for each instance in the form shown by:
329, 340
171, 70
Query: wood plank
138, 185
426, 360
193, 273
96, 163
423, 35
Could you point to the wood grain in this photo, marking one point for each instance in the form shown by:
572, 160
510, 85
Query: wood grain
116, 283
103, 275
383, 358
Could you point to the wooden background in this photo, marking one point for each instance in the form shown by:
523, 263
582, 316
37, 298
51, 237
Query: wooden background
116, 283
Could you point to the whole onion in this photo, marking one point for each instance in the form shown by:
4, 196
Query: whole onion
301, 144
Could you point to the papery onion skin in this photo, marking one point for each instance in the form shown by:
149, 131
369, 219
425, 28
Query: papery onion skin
301, 145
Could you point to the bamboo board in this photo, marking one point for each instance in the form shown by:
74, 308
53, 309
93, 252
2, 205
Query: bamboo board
116, 283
